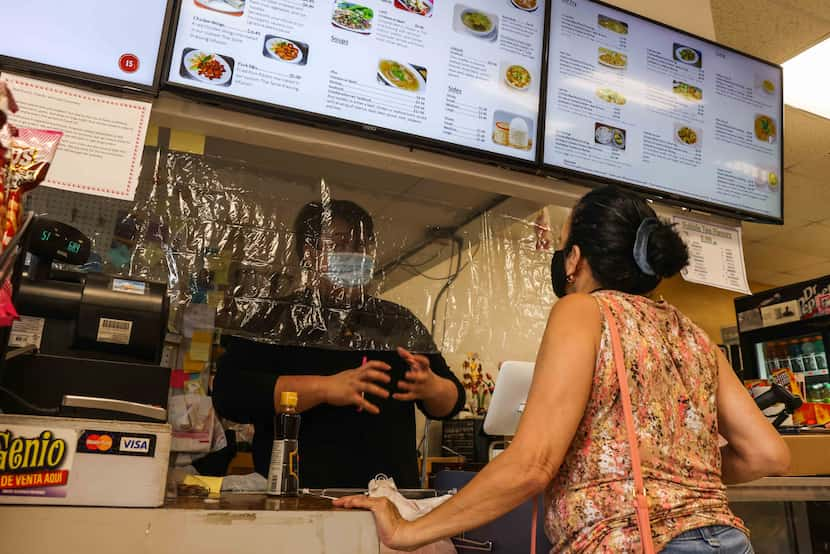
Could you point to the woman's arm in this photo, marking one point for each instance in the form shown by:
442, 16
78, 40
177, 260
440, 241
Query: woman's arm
755, 448
561, 387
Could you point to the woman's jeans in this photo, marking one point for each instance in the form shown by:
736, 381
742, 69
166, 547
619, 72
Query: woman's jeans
715, 538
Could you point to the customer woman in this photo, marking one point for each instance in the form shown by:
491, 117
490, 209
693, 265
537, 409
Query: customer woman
572, 441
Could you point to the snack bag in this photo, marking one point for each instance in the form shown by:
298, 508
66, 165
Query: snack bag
31, 153
7, 106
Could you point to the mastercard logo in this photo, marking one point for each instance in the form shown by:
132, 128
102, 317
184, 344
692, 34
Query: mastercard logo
102, 443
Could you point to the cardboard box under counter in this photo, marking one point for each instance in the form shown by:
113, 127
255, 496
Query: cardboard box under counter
809, 454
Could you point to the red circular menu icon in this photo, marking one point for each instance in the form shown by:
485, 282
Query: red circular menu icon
128, 63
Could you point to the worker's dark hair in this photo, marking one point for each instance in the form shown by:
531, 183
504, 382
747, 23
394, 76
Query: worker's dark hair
309, 223
605, 223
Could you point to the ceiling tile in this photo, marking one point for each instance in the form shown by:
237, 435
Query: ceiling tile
806, 136
772, 278
811, 272
768, 28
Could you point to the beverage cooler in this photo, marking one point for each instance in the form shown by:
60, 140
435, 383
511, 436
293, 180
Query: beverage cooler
788, 327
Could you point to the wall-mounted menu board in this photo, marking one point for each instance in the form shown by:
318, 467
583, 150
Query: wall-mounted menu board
465, 73
632, 101
111, 42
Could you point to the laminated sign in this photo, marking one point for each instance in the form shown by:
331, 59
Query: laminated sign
36, 461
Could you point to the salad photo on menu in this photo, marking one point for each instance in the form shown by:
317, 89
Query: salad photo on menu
475, 22
352, 17
420, 7
207, 67
402, 76
229, 7
285, 50
513, 130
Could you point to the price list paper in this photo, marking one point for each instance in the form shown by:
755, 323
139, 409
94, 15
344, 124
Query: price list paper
716, 256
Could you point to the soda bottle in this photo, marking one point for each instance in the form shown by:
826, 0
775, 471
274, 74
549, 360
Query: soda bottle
290, 430
283, 473
808, 354
796, 360
821, 357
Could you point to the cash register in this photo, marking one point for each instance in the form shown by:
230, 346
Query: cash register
86, 371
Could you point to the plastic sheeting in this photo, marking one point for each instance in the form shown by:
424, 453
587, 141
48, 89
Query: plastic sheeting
221, 232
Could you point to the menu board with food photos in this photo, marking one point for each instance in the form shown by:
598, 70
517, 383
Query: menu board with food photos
99, 39
633, 101
462, 72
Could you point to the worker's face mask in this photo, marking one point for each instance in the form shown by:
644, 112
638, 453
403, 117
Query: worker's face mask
350, 269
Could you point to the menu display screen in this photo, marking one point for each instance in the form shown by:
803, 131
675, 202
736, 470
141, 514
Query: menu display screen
464, 72
100, 39
632, 101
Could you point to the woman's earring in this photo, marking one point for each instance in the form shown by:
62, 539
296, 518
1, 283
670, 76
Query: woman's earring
571, 279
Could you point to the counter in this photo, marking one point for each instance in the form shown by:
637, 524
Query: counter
233, 523
307, 525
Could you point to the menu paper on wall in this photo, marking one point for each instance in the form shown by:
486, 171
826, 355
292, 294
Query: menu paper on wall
103, 136
116, 40
716, 255
461, 72
634, 101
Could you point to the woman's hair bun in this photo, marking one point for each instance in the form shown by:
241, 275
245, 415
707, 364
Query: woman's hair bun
667, 253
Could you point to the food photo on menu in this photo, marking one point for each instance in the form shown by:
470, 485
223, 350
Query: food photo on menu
686, 135
419, 7
353, 17
612, 58
526, 5
230, 7
611, 96
512, 130
475, 22
402, 76
687, 91
765, 128
516, 76
610, 136
285, 50
688, 55
207, 67
619, 27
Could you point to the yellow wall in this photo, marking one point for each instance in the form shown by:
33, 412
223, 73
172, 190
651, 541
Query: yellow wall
709, 307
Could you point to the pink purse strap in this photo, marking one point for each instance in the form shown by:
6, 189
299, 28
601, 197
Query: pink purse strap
641, 502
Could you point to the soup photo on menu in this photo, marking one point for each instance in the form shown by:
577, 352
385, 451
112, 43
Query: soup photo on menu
475, 22
402, 76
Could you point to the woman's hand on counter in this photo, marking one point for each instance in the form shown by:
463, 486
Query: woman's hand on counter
348, 388
391, 526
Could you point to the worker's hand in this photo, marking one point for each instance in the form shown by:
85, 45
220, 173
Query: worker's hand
392, 528
348, 388
419, 383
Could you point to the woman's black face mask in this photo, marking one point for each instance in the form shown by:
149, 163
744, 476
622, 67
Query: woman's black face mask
558, 275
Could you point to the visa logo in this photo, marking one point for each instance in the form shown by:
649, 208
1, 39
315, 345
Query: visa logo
135, 444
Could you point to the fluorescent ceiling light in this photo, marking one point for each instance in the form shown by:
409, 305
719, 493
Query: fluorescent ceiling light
807, 80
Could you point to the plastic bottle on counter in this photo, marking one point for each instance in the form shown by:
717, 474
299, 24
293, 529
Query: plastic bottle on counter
283, 473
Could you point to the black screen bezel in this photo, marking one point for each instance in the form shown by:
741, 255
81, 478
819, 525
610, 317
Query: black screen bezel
9, 63
673, 198
294, 115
